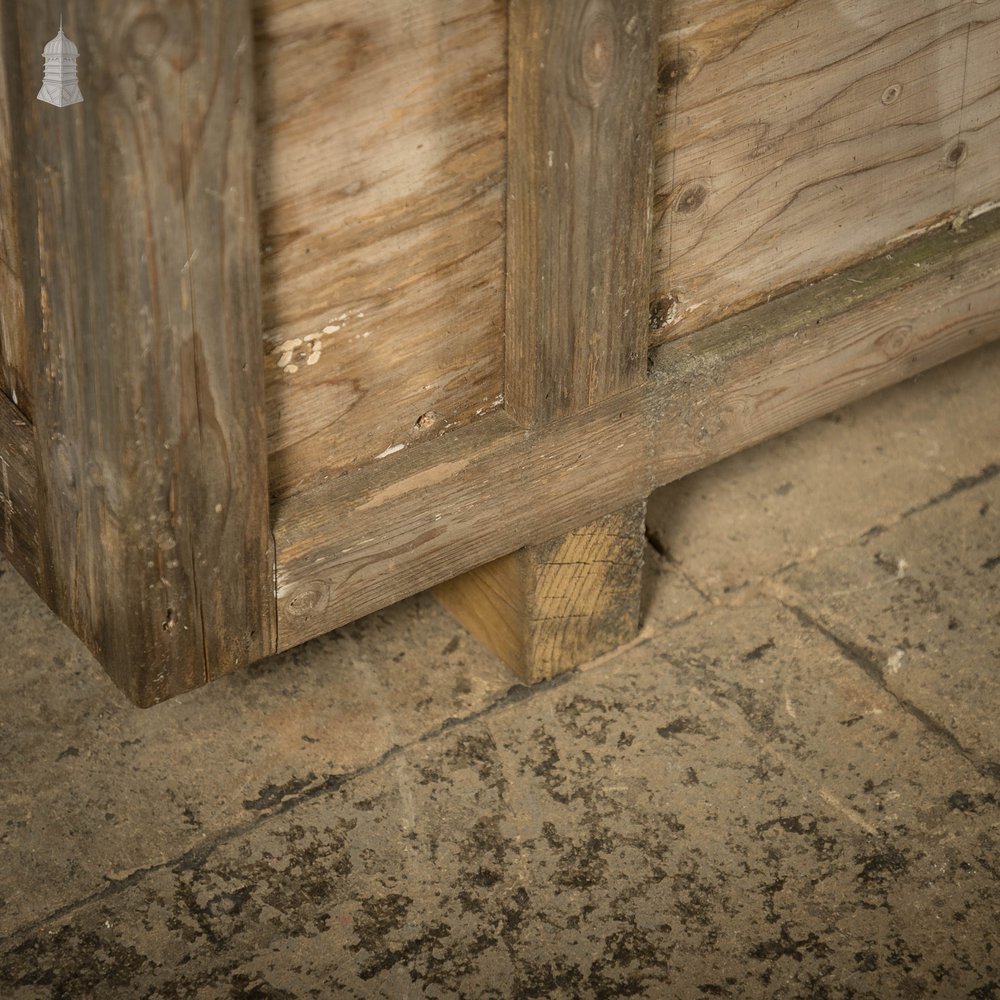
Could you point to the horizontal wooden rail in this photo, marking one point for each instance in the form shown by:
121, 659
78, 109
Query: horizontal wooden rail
388, 530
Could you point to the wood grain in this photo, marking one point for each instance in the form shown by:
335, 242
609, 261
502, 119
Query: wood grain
381, 158
18, 298
795, 137
548, 608
147, 376
428, 514
18, 492
582, 80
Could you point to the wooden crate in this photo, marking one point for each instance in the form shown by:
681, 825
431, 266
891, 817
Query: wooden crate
314, 304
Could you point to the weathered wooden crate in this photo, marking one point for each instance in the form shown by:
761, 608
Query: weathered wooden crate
313, 304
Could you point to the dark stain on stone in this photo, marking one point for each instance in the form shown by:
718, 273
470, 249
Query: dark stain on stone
757, 708
758, 652
787, 946
851, 721
69, 752
867, 961
130, 743
452, 645
486, 877
988, 991
309, 739
992, 562
960, 802
96, 961
628, 963
271, 795
882, 865
684, 724
873, 532
784, 489
801, 826
377, 918
253, 988
959, 486
228, 904
886, 563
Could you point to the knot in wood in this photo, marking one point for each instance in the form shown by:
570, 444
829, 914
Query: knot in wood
957, 154
597, 46
691, 198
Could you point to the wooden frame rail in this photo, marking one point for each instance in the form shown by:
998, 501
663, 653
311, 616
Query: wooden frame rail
420, 517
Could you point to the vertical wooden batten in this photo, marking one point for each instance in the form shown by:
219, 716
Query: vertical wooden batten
579, 209
147, 378
18, 285
582, 81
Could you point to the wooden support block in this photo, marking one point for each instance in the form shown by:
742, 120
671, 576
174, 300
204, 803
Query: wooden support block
548, 608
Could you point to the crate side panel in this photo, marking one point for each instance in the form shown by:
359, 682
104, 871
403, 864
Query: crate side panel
381, 178
795, 137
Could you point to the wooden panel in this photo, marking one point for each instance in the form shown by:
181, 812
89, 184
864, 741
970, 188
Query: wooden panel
797, 136
548, 608
432, 512
382, 182
147, 376
582, 79
16, 228
18, 492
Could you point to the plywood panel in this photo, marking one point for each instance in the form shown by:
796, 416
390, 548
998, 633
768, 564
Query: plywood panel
797, 136
382, 183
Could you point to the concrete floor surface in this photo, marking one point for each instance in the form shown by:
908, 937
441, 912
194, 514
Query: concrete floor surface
787, 787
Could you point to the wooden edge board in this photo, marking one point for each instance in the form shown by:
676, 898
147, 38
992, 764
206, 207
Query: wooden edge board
18, 492
392, 529
150, 438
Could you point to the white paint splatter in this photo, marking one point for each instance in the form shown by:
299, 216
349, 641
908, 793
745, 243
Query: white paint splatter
895, 662
391, 450
287, 352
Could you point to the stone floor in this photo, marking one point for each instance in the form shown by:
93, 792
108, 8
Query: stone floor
788, 787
